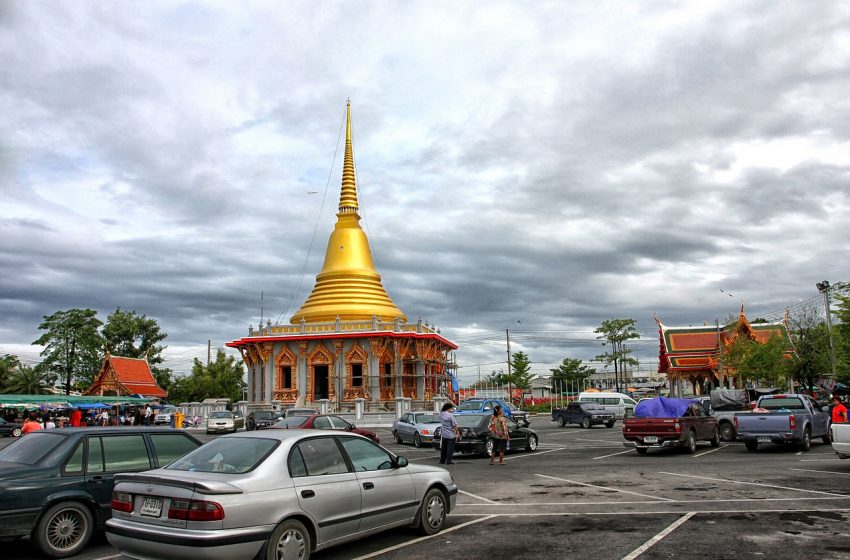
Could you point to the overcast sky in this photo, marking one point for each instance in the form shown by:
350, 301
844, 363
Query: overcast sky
531, 166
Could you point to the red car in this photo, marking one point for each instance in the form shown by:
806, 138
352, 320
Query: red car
323, 422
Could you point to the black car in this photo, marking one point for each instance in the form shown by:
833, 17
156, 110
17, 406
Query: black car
10, 428
262, 419
56, 485
585, 414
475, 435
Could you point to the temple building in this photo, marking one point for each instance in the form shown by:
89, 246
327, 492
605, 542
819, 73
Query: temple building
348, 340
122, 377
696, 354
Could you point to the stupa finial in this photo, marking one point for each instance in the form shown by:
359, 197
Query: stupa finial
348, 194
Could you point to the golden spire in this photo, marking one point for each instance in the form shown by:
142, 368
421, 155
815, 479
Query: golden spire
348, 286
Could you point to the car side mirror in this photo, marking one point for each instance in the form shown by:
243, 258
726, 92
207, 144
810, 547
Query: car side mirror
825, 408
351, 426
401, 462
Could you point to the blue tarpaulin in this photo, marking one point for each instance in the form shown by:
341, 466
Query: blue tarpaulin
89, 406
661, 407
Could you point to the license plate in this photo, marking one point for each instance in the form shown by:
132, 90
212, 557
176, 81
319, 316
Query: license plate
650, 439
151, 506
764, 439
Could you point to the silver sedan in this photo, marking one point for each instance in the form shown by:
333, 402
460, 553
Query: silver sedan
416, 427
281, 493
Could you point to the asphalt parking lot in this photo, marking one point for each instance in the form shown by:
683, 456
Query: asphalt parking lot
583, 493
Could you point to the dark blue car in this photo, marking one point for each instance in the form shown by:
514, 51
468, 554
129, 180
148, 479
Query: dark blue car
56, 485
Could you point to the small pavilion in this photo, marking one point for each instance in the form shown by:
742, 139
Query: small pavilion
695, 354
348, 340
123, 377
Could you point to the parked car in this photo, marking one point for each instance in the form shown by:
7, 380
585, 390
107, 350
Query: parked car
261, 419
163, 415
275, 494
10, 428
299, 411
238, 419
585, 414
783, 419
475, 435
723, 404
323, 422
416, 427
662, 422
220, 421
56, 485
481, 405
840, 437
621, 405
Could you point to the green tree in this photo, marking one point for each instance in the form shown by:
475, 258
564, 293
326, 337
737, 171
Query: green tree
130, 335
221, 378
811, 358
30, 381
72, 346
521, 375
616, 332
841, 337
572, 370
9, 364
764, 363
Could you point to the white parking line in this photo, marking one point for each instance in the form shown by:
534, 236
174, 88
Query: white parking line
532, 454
471, 495
420, 539
828, 472
641, 513
751, 483
707, 452
646, 546
606, 488
633, 502
612, 454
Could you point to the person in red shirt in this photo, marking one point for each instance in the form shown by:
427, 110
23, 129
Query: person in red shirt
76, 418
839, 411
31, 424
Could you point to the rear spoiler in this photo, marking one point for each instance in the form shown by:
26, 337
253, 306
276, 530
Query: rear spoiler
204, 487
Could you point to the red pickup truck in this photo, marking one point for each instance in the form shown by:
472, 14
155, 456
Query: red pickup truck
684, 429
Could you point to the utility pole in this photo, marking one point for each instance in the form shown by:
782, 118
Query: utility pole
209, 351
719, 354
508, 339
823, 287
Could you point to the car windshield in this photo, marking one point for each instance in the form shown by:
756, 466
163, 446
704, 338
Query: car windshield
263, 414
469, 420
790, 403
592, 406
220, 414
470, 405
426, 419
226, 455
291, 422
31, 448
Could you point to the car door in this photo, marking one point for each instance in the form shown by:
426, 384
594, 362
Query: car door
519, 439
404, 427
107, 455
820, 419
388, 493
327, 490
574, 413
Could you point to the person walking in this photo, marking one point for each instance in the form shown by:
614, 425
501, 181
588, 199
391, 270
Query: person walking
839, 411
449, 432
499, 434
148, 415
31, 424
76, 418
104, 418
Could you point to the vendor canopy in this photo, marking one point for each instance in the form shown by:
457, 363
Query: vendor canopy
69, 401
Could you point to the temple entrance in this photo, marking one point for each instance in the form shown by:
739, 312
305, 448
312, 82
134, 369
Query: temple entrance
320, 382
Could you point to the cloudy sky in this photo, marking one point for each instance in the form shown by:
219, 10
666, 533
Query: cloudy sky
530, 166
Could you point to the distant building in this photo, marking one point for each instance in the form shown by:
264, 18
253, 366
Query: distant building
123, 377
348, 340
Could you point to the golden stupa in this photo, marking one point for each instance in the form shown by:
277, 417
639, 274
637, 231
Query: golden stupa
348, 287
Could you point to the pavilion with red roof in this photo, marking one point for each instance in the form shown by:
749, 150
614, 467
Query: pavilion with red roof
125, 376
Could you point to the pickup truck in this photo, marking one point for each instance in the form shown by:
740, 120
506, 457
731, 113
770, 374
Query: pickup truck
662, 422
783, 419
840, 436
584, 414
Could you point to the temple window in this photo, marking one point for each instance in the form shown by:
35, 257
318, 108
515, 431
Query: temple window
388, 375
285, 377
356, 375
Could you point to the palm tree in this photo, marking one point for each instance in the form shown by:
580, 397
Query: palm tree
8, 364
29, 381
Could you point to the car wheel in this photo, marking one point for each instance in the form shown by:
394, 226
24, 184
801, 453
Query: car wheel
289, 540
827, 439
488, 448
432, 513
715, 438
609, 424
641, 450
751, 445
532, 443
417, 440
397, 438
561, 422
691, 443
64, 530
806, 444
727, 432
585, 423
16, 432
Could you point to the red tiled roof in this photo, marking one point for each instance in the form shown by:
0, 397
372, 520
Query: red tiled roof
133, 375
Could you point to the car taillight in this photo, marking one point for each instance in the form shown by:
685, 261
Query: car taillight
122, 501
195, 510
677, 427
426, 432
792, 422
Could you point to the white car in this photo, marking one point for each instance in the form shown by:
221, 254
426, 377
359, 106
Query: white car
840, 436
221, 421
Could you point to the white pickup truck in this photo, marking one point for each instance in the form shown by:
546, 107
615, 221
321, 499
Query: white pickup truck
840, 434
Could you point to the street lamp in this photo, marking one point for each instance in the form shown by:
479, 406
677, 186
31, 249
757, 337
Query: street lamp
823, 287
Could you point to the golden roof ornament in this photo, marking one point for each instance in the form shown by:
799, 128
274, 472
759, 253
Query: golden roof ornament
348, 287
